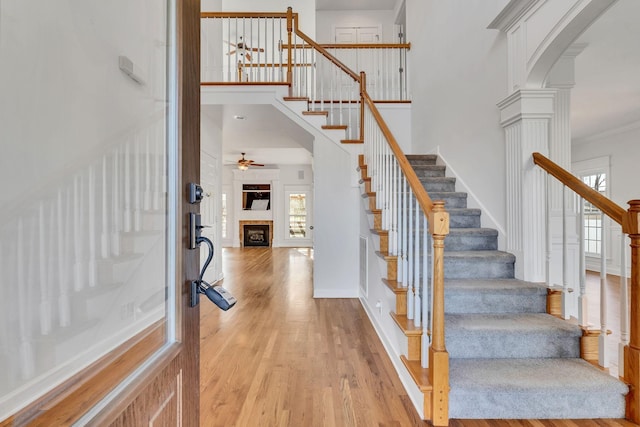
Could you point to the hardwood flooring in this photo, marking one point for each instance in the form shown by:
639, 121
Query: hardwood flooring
282, 358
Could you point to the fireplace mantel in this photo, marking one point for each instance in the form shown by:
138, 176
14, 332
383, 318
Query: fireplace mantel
242, 223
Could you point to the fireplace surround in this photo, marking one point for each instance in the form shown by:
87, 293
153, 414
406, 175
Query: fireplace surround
256, 233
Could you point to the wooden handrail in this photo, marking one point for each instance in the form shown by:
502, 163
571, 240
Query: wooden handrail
326, 54
243, 15
418, 189
611, 209
358, 46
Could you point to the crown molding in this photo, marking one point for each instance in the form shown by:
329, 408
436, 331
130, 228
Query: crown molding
511, 14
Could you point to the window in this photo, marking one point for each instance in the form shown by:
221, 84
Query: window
592, 215
297, 215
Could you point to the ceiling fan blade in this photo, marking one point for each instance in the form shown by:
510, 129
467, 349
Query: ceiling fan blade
255, 49
256, 164
229, 43
231, 52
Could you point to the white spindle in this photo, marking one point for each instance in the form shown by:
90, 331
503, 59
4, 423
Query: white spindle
548, 241
104, 212
426, 294
410, 257
137, 184
405, 233
603, 358
115, 205
417, 259
583, 313
64, 306
126, 208
565, 256
27, 361
78, 235
44, 279
624, 304
92, 271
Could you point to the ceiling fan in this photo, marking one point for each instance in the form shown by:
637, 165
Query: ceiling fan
243, 164
242, 47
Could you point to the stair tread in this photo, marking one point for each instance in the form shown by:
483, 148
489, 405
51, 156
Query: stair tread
406, 325
533, 388
494, 285
531, 374
505, 256
395, 286
509, 323
419, 374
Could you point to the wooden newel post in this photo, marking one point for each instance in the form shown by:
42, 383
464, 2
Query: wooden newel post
631, 226
363, 88
289, 55
438, 356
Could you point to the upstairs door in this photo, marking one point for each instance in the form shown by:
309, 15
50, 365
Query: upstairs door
355, 35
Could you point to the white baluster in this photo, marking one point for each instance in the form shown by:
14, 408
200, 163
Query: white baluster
426, 295
603, 357
104, 212
418, 259
147, 171
624, 303
405, 233
92, 271
565, 257
115, 205
583, 313
78, 235
44, 279
159, 172
126, 210
27, 360
410, 257
548, 243
137, 185
64, 306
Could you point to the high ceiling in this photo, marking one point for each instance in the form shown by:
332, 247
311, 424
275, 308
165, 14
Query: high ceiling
607, 92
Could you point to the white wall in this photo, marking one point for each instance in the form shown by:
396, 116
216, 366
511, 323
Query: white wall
210, 179
336, 223
306, 10
458, 74
327, 20
623, 149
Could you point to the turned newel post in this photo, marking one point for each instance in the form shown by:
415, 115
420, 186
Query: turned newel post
631, 226
363, 88
289, 55
438, 356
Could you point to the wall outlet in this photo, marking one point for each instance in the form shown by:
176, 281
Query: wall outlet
379, 306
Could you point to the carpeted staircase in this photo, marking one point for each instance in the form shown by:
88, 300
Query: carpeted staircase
508, 358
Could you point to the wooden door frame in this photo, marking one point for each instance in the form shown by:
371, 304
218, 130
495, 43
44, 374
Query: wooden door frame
179, 361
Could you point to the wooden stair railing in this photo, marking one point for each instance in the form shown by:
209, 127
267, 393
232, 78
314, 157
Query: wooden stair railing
412, 227
629, 221
416, 226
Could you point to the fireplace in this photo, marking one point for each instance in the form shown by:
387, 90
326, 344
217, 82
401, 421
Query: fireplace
256, 233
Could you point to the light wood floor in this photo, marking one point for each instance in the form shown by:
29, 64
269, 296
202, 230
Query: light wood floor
282, 358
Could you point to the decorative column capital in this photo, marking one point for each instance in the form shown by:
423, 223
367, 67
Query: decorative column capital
527, 104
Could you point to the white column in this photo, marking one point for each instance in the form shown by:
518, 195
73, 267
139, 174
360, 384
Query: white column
525, 115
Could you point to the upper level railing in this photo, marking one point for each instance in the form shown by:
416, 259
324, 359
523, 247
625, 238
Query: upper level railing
244, 47
416, 225
629, 221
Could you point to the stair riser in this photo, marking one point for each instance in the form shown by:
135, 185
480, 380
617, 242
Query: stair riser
470, 243
438, 186
477, 268
464, 221
463, 344
429, 171
422, 159
450, 200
